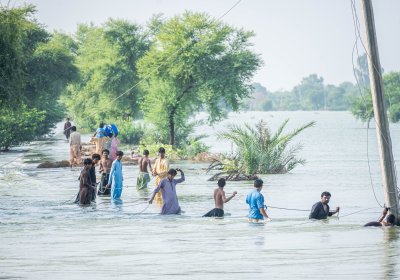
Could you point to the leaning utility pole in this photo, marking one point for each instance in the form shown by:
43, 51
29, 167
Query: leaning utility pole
381, 121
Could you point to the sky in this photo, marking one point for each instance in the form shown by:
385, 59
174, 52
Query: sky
295, 38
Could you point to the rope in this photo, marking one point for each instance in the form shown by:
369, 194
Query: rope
289, 209
142, 210
352, 213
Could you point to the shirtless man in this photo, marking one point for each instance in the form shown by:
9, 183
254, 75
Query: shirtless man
385, 220
105, 168
219, 199
144, 177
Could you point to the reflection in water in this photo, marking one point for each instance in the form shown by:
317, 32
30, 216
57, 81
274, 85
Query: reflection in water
390, 253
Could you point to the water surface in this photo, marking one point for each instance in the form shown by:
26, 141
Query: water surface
44, 236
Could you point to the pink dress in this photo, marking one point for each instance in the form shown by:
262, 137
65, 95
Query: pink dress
114, 148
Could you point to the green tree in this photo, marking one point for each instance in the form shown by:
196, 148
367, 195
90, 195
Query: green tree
35, 68
311, 93
362, 107
13, 29
195, 63
106, 59
259, 151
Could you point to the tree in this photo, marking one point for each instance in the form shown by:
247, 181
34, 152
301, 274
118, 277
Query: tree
106, 59
311, 93
195, 63
259, 151
361, 71
13, 25
35, 67
362, 107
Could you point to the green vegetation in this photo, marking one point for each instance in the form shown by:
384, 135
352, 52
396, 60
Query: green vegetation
310, 95
362, 107
259, 151
195, 63
35, 68
106, 57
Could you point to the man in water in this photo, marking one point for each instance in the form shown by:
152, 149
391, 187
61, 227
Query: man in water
385, 221
116, 178
255, 200
168, 187
219, 199
75, 147
85, 183
105, 169
67, 128
95, 160
144, 177
160, 170
320, 210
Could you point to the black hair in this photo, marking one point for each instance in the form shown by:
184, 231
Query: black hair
325, 194
105, 150
161, 150
258, 183
391, 219
101, 125
172, 172
96, 156
87, 161
73, 128
221, 182
120, 153
146, 152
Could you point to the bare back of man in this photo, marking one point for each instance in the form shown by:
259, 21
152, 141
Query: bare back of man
219, 198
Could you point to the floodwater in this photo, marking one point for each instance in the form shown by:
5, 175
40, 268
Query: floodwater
44, 236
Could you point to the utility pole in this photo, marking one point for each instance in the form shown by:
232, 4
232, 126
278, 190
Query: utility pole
381, 121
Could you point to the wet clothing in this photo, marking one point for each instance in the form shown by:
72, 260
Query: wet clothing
161, 167
216, 212
255, 200
318, 212
92, 172
75, 148
103, 185
116, 179
142, 180
170, 199
85, 187
373, 224
67, 129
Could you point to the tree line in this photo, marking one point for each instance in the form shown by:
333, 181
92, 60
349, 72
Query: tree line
312, 94
163, 72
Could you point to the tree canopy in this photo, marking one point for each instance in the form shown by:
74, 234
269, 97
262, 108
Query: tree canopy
195, 63
35, 68
106, 59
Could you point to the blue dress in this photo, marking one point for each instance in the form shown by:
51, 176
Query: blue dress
116, 179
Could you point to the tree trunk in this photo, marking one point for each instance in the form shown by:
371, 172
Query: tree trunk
171, 129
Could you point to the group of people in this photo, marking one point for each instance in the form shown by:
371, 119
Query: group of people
111, 178
165, 194
106, 137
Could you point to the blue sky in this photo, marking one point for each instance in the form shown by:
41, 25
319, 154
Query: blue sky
294, 37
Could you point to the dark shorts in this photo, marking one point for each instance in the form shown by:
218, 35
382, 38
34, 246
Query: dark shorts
102, 188
216, 212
